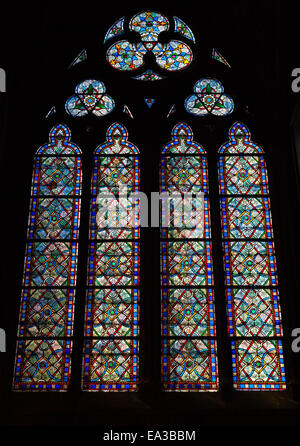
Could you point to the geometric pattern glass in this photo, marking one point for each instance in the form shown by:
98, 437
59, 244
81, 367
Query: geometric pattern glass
253, 310
110, 357
173, 55
189, 361
44, 345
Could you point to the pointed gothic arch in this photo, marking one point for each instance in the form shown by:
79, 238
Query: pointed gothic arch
45, 333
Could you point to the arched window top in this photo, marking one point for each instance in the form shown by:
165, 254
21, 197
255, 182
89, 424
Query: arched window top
208, 86
90, 86
182, 142
59, 143
239, 141
117, 142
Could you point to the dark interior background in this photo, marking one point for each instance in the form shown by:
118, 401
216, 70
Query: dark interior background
37, 46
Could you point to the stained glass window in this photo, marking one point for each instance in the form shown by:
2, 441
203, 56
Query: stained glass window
209, 98
183, 29
189, 361
110, 360
115, 30
218, 56
90, 98
149, 102
81, 57
148, 75
51, 112
172, 56
43, 357
253, 311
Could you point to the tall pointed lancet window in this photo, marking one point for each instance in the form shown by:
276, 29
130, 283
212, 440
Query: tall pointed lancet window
254, 319
189, 361
43, 357
112, 309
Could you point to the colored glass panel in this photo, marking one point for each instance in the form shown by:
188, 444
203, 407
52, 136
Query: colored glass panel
253, 308
240, 142
113, 263
240, 175
188, 220
183, 29
171, 111
189, 361
185, 174
43, 364
149, 102
112, 306
114, 219
218, 56
50, 264
149, 25
43, 358
81, 57
254, 312
110, 365
115, 30
126, 56
46, 312
115, 173
52, 111
52, 218
127, 111
188, 312
189, 365
56, 176
208, 98
112, 312
172, 56
90, 98
250, 263
246, 217
186, 263
258, 365
148, 75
